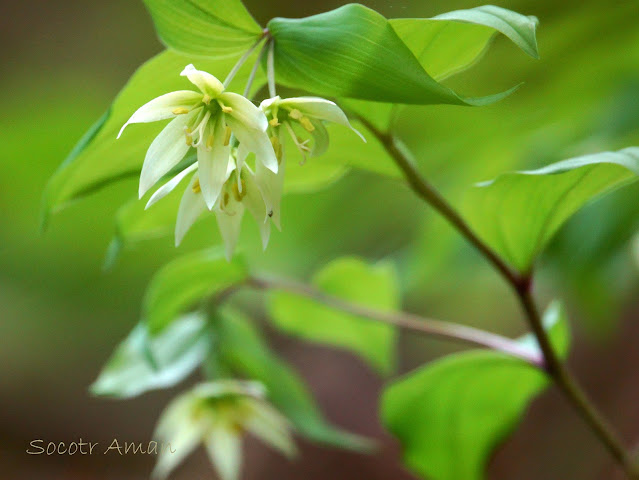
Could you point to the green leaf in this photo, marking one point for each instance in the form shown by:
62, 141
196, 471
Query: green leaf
353, 280
451, 414
354, 52
242, 349
186, 281
99, 159
518, 213
141, 363
204, 27
449, 43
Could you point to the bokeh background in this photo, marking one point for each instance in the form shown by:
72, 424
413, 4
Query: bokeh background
63, 61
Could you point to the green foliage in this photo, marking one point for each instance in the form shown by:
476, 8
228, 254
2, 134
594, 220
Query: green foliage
354, 52
213, 28
518, 213
142, 363
353, 280
451, 414
241, 349
184, 282
449, 43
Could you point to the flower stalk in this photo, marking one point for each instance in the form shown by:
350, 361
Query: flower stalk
521, 285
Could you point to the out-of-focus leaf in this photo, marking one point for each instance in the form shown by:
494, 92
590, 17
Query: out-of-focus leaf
451, 414
100, 159
241, 348
354, 52
186, 281
204, 27
518, 213
141, 363
355, 281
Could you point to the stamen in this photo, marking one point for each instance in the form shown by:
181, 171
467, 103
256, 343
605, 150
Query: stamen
274, 122
227, 136
209, 143
277, 147
188, 135
239, 191
306, 123
196, 186
180, 111
296, 114
226, 109
206, 99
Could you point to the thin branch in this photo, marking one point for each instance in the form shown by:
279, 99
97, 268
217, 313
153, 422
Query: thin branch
521, 284
242, 61
408, 321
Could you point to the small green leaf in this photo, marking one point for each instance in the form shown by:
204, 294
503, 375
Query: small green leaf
204, 27
174, 354
354, 52
241, 348
353, 280
100, 159
449, 43
451, 414
184, 282
518, 213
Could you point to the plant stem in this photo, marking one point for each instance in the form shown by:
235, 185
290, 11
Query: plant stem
521, 285
415, 323
270, 68
242, 61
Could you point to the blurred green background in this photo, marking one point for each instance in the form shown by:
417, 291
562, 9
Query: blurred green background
60, 315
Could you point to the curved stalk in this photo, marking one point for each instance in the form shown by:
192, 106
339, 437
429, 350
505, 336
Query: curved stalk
521, 285
236, 68
408, 321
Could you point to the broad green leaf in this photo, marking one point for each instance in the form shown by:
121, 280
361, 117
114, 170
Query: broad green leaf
353, 280
449, 43
142, 363
354, 52
241, 348
204, 27
451, 414
518, 213
184, 282
100, 159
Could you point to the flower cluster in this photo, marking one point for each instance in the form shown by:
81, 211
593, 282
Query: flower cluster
225, 129
218, 414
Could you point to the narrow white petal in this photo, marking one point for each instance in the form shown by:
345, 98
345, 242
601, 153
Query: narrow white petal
166, 151
162, 107
271, 185
272, 428
191, 207
169, 186
224, 447
266, 104
230, 223
321, 109
179, 435
255, 141
254, 202
213, 164
206, 82
244, 111
320, 138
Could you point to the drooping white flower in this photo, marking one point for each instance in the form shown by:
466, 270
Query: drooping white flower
205, 120
239, 192
307, 114
218, 414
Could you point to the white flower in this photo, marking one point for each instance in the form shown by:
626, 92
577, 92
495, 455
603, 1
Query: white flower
217, 414
239, 192
301, 113
205, 120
